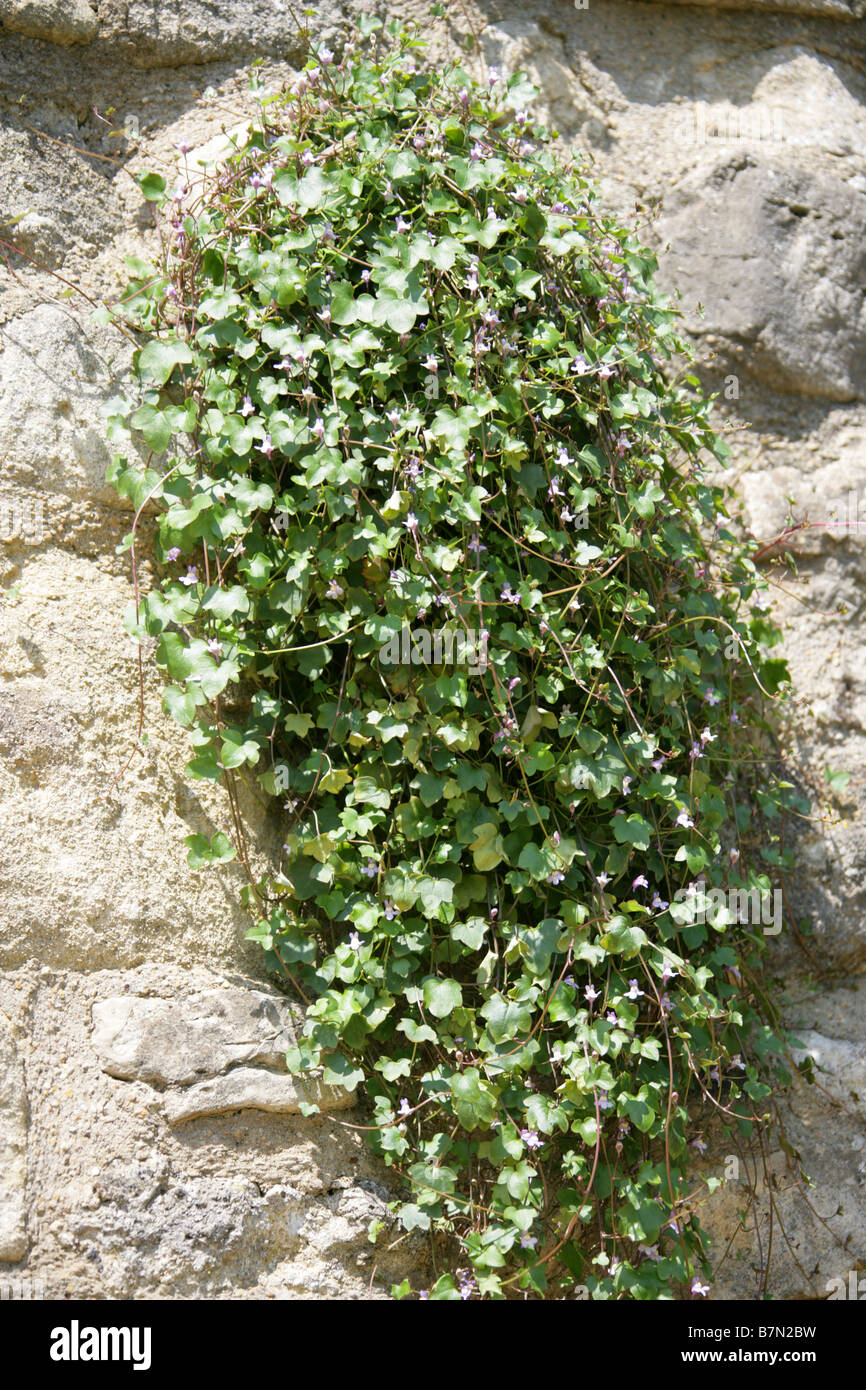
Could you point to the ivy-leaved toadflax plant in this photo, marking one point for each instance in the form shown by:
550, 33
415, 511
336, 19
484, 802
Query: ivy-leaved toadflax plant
400, 375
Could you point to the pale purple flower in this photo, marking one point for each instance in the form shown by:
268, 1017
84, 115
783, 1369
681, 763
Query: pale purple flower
590, 994
659, 903
668, 972
633, 991
411, 523
266, 447
531, 1138
354, 941
405, 1107
173, 554
214, 647
247, 407
319, 428
640, 882
685, 820
699, 1289
191, 576
528, 1242
390, 910
264, 179
556, 877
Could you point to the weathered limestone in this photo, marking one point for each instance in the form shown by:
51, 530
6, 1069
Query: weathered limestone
247, 1088
58, 21
184, 1039
13, 1146
776, 257
204, 1038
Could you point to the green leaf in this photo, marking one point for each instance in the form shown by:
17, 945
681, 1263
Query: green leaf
474, 1100
202, 851
152, 186
441, 997
224, 603
632, 830
641, 1115
507, 1020
838, 780
339, 1071
623, 938
158, 359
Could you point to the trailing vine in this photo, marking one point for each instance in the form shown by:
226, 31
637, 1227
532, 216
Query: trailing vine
404, 384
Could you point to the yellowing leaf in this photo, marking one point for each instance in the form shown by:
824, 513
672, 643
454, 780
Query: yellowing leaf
487, 848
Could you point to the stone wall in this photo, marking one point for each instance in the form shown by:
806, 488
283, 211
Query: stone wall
150, 1142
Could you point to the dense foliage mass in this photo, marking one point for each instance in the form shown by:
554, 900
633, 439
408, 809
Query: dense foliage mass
440, 569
